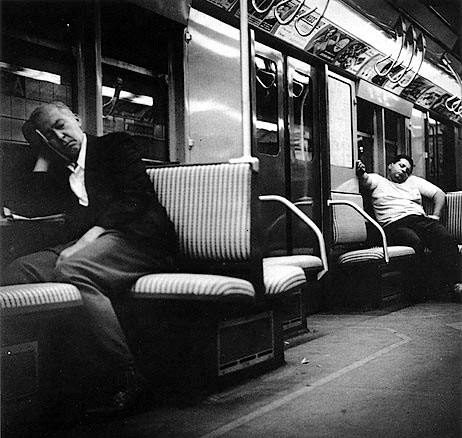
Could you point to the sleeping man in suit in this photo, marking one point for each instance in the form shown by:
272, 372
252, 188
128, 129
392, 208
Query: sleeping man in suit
118, 231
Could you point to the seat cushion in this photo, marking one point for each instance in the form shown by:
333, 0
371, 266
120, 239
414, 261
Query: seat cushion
376, 253
193, 287
302, 261
24, 298
279, 278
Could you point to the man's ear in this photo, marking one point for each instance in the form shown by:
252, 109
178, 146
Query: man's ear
79, 120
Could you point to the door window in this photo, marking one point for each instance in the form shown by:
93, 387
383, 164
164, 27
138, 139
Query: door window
267, 105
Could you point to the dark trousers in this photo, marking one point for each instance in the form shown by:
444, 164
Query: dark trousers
421, 232
101, 270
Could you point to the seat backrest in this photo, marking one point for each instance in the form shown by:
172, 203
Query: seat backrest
453, 215
210, 206
348, 225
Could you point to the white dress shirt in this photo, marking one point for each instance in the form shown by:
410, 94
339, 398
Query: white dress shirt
77, 176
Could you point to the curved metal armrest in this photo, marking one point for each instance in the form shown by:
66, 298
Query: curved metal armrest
308, 221
370, 219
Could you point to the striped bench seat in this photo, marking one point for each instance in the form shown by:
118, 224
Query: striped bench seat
451, 218
300, 260
374, 253
30, 315
369, 277
212, 208
349, 227
277, 280
193, 286
219, 298
28, 298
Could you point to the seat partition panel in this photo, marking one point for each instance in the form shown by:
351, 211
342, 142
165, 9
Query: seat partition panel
347, 224
210, 206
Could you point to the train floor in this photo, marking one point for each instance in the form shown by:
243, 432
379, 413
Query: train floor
363, 375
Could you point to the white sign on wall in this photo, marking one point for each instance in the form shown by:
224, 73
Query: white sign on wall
340, 123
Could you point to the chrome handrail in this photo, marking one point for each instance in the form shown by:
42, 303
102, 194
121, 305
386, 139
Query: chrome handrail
309, 222
369, 218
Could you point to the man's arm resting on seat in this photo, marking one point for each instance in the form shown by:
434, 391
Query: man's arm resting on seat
438, 199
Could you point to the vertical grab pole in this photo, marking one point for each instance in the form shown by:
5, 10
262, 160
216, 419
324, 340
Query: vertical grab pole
245, 79
245, 89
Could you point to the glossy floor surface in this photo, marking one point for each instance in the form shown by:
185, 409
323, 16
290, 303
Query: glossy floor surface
372, 375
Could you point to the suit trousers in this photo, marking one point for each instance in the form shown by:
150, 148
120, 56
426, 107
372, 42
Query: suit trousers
101, 270
421, 232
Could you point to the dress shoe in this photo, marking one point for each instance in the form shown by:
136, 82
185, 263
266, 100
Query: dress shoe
455, 294
126, 398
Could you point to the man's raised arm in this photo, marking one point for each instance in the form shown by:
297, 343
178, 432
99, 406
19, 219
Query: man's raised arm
364, 178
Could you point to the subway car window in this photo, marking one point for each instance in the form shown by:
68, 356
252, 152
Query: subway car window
441, 160
267, 106
301, 115
417, 141
136, 47
37, 66
300, 94
365, 121
394, 135
137, 104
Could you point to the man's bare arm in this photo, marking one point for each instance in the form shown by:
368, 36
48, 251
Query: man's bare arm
439, 200
362, 175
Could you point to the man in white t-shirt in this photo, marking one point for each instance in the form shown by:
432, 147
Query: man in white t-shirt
397, 202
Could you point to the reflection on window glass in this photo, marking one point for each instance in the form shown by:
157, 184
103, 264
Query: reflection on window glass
435, 142
365, 116
417, 130
137, 104
267, 106
394, 142
441, 160
136, 45
391, 126
301, 128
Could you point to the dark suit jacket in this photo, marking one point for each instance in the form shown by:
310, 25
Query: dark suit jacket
120, 195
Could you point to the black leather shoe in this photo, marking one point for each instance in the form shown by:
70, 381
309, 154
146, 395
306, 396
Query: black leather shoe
455, 294
124, 400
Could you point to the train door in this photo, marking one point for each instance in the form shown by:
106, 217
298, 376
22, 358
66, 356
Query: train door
285, 145
303, 156
342, 134
269, 141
